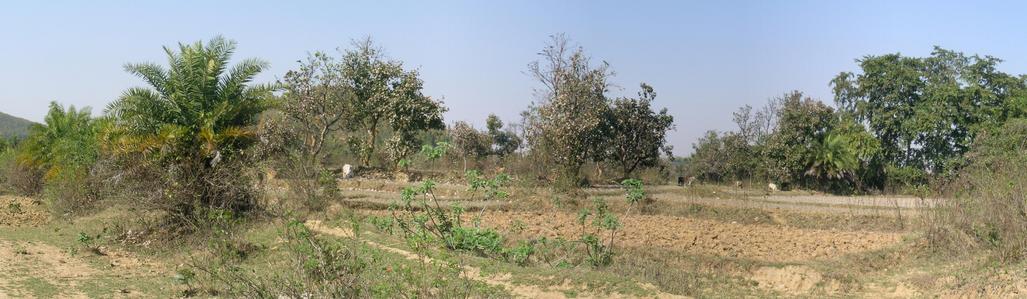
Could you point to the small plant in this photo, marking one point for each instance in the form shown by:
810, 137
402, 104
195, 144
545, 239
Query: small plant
89, 243
634, 192
385, 224
433, 153
328, 182
490, 188
14, 207
520, 254
425, 221
598, 252
186, 277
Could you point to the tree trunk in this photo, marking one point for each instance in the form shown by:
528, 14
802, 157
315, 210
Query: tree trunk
369, 148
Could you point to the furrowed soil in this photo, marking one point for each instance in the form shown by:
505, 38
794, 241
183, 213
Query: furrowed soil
772, 243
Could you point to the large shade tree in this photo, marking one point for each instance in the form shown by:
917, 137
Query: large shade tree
638, 134
567, 125
926, 111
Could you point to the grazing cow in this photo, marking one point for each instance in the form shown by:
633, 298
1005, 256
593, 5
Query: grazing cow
738, 184
681, 181
772, 186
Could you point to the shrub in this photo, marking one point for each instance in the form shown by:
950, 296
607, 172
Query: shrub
988, 208
319, 269
64, 150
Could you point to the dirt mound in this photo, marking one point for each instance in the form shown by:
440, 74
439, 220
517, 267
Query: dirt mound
22, 211
788, 280
763, 242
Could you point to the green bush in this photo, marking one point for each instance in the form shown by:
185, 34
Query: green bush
987, 208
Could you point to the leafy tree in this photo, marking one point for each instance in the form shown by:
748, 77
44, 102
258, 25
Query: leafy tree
315, 99
63, 149
802, 123
708, 162
387, 96
569, 120
927, 111
504, 142
63, 145
638, 134
196, 119
469, 142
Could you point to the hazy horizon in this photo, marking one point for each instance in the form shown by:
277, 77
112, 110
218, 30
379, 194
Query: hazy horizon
704, 60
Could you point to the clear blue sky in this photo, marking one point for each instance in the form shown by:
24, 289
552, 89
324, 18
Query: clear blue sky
704, 59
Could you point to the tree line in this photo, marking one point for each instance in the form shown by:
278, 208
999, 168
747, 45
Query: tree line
898, 123
197, 139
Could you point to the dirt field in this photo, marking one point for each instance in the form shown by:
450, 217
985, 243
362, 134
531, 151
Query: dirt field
692, 243
762, 242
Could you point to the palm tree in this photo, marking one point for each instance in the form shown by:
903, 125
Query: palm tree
833, 157
196, 114
64, 144
197, 108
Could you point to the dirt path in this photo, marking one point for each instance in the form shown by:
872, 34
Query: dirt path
30, 267
469, 272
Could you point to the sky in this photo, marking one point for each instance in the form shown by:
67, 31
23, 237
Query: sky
704, 58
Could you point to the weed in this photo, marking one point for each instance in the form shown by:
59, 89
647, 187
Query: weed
89, 242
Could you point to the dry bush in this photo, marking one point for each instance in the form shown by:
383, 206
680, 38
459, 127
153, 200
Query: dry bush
19, 179
318, 268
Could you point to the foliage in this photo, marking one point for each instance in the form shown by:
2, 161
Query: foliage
192, 126
434, 152
490, 188
802, 122
987, 204
469, 142
638, 134
315, 101
64, 149
423, 220
634, 191
315, 267
720, 157
386, 96
598, 250
927, 111
833, 158
569, 119
504, 142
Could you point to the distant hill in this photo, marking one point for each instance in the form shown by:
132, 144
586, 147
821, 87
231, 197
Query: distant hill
13, 126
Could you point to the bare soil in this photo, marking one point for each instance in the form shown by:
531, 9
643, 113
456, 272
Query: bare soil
761, 242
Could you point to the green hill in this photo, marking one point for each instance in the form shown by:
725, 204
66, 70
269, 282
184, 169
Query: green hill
13, 126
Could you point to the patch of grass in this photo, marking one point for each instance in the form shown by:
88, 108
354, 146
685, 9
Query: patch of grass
37, 287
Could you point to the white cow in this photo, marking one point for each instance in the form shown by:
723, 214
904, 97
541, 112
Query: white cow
772, 186
347, 171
